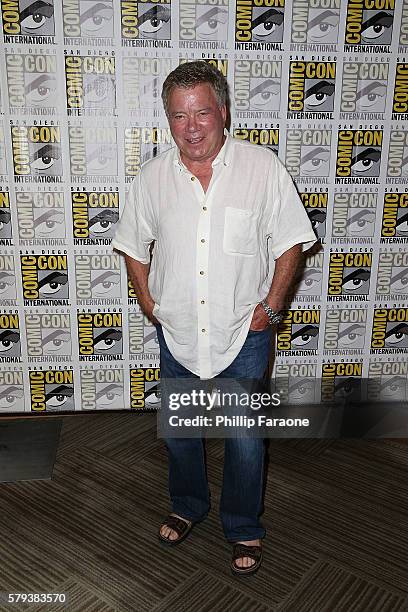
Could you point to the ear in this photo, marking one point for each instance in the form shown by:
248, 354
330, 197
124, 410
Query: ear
223, 110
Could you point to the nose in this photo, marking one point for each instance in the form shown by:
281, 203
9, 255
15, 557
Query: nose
191, 123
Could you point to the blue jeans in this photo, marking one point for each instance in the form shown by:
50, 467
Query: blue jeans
242, 488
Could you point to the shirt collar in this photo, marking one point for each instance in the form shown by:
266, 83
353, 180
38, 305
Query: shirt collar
223, 157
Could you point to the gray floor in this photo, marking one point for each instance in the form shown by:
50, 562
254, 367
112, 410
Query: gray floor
336, 514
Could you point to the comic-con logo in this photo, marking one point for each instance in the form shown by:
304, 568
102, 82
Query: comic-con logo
102, 389
144, 388
203, 20
141, 144
400, 99
93, 154
11, 391
142, 82
90, 85
257, 87
32, 83
394, 225
52, 390
403, 37
90, 21
392, 276
354, 216
259, 24
308, 154
369, 25
94, 216
267, 137
314, 23
10, 337
100, 335
387, 381
341, 381
143, 342
298, 333
311, 91
7, 279
344, 330
146, 22
41, 217
390, 330
316, 207
358, 156
349, 276
28, 21
48, 336
5, 219
97, 278
36, 153
45, 279
363, 90
309, 281
397, 163
296, 383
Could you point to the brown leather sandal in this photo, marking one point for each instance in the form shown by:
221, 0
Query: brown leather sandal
180, 526
240, 551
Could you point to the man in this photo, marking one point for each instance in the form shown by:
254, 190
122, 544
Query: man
227, 226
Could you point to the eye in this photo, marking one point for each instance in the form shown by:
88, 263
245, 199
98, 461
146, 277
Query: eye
211, 22
103, 221
33, 21
356, 279
6, 281
304, 335
40, 90
397, 334
96, 18
59, 396
393, 387
105, 283
154, 19
311, 278
323, 26
399, 283
347, 386
351, 336
99, 88
10, 396
54, 343
375, 27
7, 339
266, 23
265, 93
107, 339
360, 222
52, 283
319, 93
316, 161
301, 388
34, 16
371, 95
101, 159
109, 394
43, 163
365, 160
45, 158
47, 223
402, 224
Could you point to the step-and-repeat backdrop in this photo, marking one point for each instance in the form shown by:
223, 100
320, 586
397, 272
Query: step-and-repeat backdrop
324, 83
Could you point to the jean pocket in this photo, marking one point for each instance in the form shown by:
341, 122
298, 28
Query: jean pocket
240, 232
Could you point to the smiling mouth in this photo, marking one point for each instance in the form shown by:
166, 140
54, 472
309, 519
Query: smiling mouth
194, 140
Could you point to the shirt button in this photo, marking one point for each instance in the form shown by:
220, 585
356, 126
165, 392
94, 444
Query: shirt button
204, 208
202, 272
202, 240
202, 301
193, 178
203, 330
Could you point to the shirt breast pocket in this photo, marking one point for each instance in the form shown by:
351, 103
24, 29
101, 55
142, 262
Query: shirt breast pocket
240, 232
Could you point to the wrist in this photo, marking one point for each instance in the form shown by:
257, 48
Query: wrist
274, 316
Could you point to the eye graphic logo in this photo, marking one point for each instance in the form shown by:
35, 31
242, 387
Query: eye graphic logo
7, 279
5, 218
358, 154
394, 225
311, 88
30, 20
100, 335
349, 274
345, 330
94, 215
40, 216
203, 21
316, 207
31, 82
400, 101
48, 336
144, 388
341, 382
354, 215
97, 278
259, 21
10, 339
90, 84
296, 383
11, 391
88, 20
369, 25
52, 390
299, 332
37, 152
315, 22
397, 165
93, 153
266, 137
257, 85
387, 381
45, 279
146, 20
308, 152
102, 389
392, 276
364, 89
390, 330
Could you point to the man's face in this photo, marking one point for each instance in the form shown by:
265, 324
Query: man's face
196, 122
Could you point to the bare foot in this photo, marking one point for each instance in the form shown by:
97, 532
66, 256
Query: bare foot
247, 561
170, 534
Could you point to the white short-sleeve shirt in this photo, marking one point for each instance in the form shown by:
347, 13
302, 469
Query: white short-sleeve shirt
214, 252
